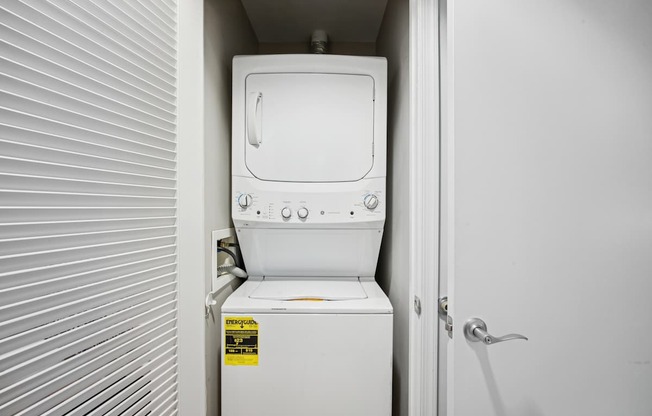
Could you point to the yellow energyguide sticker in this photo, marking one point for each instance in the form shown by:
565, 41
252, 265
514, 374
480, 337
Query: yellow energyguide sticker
240, 340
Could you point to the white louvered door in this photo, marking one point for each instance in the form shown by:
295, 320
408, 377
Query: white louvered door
88, 275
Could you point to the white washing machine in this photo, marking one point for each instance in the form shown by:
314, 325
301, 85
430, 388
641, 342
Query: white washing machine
310, 331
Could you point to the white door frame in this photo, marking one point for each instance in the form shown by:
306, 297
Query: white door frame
190, 201
424, 205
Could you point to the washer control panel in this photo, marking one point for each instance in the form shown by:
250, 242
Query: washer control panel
371, 201
315, 208
245, 200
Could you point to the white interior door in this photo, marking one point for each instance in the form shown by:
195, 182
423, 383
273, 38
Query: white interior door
551, 202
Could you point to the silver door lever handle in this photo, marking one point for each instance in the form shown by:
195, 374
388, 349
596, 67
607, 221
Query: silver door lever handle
475, 330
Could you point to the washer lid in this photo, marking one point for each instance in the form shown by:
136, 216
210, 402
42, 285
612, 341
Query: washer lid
309, 127
309, 290
240, 302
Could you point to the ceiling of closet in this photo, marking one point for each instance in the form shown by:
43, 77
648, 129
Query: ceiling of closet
295, 20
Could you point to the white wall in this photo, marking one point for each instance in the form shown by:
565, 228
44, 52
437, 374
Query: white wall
393, 267
227, 33
336, 48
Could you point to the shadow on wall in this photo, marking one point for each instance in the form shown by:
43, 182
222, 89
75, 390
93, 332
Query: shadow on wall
385, 262
527, 407
393, 264
396, 390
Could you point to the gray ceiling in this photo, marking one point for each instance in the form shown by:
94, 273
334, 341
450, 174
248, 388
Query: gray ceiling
294, 20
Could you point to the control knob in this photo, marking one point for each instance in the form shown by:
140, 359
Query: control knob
245, 200
286, 213
371, 201
302, 213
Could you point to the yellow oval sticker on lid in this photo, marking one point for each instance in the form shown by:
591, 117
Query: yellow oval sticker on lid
309, 299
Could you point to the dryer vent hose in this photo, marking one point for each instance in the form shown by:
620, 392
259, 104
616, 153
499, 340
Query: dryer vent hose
319, 42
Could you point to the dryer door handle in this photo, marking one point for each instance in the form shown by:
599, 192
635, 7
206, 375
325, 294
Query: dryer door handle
254, 118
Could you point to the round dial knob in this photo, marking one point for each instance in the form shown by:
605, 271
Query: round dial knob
371, 201
286, 213
302, 213
245, 200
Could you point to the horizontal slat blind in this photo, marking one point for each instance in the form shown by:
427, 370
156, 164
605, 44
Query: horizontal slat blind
88, 273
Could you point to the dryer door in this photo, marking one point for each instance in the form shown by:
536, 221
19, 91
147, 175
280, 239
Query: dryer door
309, 127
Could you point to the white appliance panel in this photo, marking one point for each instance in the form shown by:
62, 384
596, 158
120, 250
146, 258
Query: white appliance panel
327, 205
318, 365
309, 127
310, 253
369, 78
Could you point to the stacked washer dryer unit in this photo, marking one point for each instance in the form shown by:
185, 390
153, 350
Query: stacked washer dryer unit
310, 332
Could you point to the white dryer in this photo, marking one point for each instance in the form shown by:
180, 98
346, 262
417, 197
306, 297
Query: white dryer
310, 332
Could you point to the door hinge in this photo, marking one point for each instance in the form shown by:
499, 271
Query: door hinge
417, 305
444, 316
